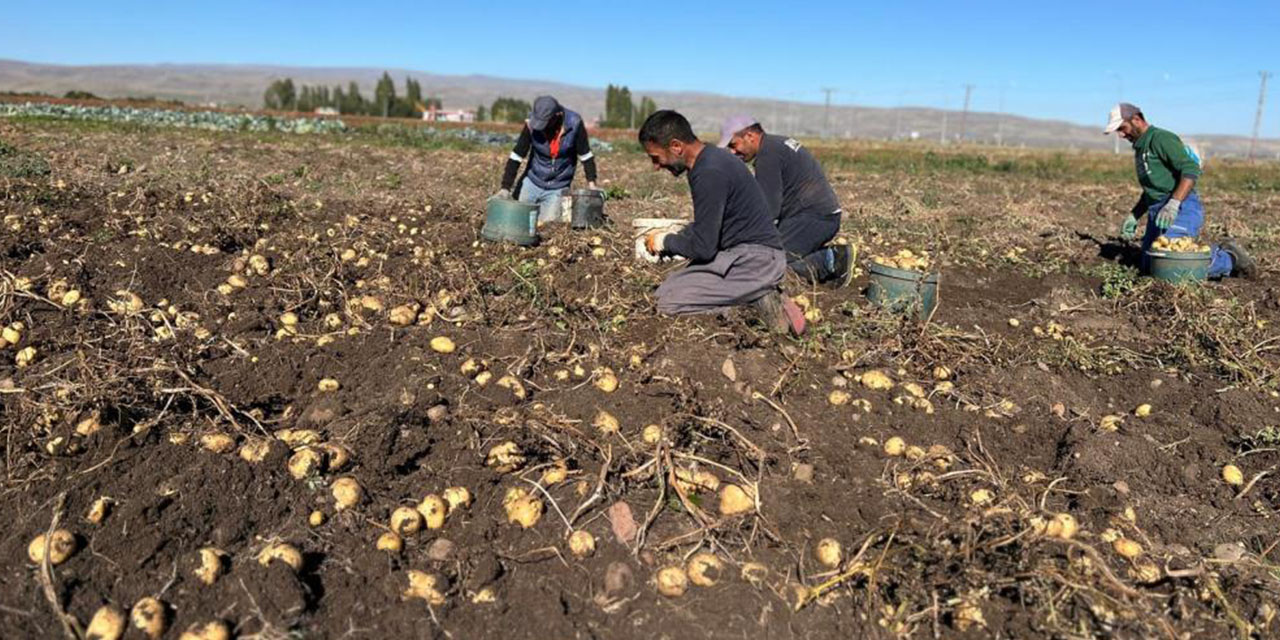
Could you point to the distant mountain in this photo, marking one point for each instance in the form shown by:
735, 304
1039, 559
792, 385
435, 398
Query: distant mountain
243, 85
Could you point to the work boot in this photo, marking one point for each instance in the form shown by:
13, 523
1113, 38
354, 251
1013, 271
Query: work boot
843, 273
1243, 264
780, 314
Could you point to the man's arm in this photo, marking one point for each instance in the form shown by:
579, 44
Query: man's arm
588, 159
1173, 153
769, 177
523, 144
700, 241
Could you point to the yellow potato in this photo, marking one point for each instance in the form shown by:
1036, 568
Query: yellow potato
704, 569
211, 565
218, 442
671, 582
215, 630
556, 473
828, 553
652, 434
895, 446
605, 423
456, 497
877, 380
283, 552
582, 544
347, 493
425, 586
305, 463
505, 457
606, 381
433, 510
406, 520
150, 617
442, 344
1232, 475
735, 500
62, 544
107, 623
389, 542
1127, 548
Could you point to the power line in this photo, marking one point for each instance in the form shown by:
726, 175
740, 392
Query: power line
1257, 119
964, 115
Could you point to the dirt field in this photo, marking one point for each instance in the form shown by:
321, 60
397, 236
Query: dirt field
1048, 341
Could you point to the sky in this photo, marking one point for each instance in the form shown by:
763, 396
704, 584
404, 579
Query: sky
1192, 67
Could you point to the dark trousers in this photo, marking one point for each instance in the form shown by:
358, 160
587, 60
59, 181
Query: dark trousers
803, 238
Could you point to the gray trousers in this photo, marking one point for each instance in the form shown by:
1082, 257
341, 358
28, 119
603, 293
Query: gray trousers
738, 275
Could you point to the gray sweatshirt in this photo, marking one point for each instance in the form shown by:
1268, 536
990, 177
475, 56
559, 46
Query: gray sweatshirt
792, 180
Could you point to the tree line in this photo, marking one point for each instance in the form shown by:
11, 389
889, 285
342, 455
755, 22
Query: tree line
621, 113
284, 95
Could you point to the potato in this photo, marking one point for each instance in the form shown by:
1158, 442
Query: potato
941, 372
433, 511
470, 368
1232, 475
98, 510
828, 553
442, 344
456, 497
735, 500
555, 474
316, 518
915, 453
214, 630
403, 315
218, 442
347, 493
107, 623
211, 565
237, 281
90, 425
1127, 548
259, 264
606, 381
12, 333
704, 569
425, 586
582, 544
289, 319
876, 380
838, 397
390, 542
328, 384
605, 423
406, 520
513, 383
62, 544
283, 552
483, 378
695, 480
1110, 423
895, 446
298, 437
522, 508
967, 615
1062, 525
652, 434
371, 303
71, 297
125, 302
505, 457
255, 450
25, 357
671, 582
1145, 571
305, 463
150, 616
1142, 411
336, 456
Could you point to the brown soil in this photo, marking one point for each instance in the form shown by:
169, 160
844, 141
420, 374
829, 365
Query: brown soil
1023, 421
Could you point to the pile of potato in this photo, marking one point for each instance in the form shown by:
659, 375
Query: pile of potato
1179, 245
905, 259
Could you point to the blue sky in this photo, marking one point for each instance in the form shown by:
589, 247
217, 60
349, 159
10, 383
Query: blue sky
1193, 67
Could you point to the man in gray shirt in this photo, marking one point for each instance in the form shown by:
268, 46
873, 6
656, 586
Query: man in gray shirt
801, 201
734, 251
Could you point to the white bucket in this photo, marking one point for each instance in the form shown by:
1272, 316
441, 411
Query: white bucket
642, 226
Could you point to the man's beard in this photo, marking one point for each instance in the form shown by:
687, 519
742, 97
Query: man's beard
677, 167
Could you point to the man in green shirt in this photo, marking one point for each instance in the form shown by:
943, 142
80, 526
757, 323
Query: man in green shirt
1167, 172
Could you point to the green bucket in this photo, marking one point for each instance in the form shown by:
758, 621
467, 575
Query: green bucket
900, 290
1179, 266
511, 221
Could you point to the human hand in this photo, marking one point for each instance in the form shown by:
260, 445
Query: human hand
1168, 213
655, 242
1129, 228
502, 194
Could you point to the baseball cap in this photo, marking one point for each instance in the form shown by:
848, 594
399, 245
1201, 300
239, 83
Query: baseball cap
544, 109
732, 125
1119, 113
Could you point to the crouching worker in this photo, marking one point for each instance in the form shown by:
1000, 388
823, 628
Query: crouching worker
734, 251
555, 141
1167, 173
801, 201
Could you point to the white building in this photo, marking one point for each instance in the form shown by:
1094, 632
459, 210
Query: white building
443, 115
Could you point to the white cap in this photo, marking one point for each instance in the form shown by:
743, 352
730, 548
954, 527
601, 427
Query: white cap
1119, 113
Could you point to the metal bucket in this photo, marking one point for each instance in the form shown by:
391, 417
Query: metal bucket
511, 221
900, 290
1179, 266
588, 209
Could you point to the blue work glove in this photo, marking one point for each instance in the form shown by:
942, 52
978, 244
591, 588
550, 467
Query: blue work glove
1129, 228
1168, 213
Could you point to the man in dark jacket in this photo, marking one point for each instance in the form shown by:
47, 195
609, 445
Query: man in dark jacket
555, 141
801, 201
734, 251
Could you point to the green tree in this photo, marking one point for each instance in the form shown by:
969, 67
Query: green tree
618, 110
280, 95
646, 109
510, 110
482, 114
384, 95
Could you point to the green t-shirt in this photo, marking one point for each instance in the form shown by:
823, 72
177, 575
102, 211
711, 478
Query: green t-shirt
1162, 160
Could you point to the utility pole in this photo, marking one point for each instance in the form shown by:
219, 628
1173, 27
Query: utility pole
826, 111
964, 115
942, 138
1115, 136
1257, 119
1000, 122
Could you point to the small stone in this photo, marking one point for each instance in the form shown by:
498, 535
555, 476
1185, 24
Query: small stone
1229, 552
618, 579
441, 549
804, 473
437, 413
729, 370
